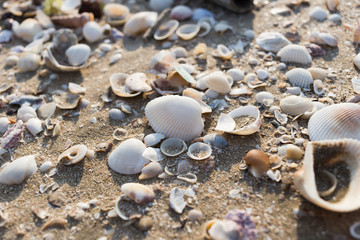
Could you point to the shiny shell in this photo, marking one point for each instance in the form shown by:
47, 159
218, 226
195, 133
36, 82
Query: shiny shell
175, 116
335, 122
181, 12
294, 54
172, 147
139, 193
318, 73
199, 151
34, 125
299, 77
296, 105
236, 74
28, 29
127, 157
92, 32
139, 22
188, 31
117, 82
153, 154
18, 170
218, 82
73, 155
258, 162
136, 82
28, 62
223, 52
272, 41
166, 30
323, 39
78, 54
116, 14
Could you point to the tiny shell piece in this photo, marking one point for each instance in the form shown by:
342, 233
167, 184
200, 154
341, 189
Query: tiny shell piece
199, 151
319, 87
139, 193
46, 166
223, 52
299, 77
15, 172
73, 155
295, 54
356, 60
264, 98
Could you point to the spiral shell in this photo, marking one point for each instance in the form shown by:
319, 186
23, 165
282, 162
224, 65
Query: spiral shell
294, 54
299, 77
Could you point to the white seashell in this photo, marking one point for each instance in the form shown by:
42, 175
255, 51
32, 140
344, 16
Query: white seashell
46, 166
116, 14
274, 175
294, 90
262, 74
189, 68
25, 113
199, 151
139, 193
323, 39
318, 73
299, 77
206, 26
253, 81
226, 122
264, 98
294, 54
236, 92
120, 134
335, 122
175, 116
177, 201
5, 35
4, 123
153, 154
139, 22
218, 82
222, 27
34, 125
355, 81
318, 13
153, 139
92, 31
223, 52
28, 29
181, 12
272, 41
166, 30
117, 82
179, 52
15, 172
11, 61
28, 62
35, 46
356, 61
73, 155
127, 157
151, 170
188, 31
159, 5
114, 58
172, 147
137, 82
236, 74
76, 88
319, 87
296, 105
328, 153
354, 230
78, 54
70, 6
282, 118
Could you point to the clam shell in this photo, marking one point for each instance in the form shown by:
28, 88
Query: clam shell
318, 73
181, 12
76, 88
116, 14
56, 64
296, 105
295, 54
28, 29
34, 125
236, 74
117, 82
66, 100
175, 116
199, 151
25, 113
151, 170
28, 62
4, 123
78, 54
272, 41
73, 155
264, 98
328, 153
188, 31
335, 122
172, 147
166, 30
299, 77
136, 82
127, 157
153, 139
15, 172
139, 22
139, 193
218, 82
92, 32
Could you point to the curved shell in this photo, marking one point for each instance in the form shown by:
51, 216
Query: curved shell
116, 14
199, 151
139, 22
355, 81
15, 172
28, 62
299, 77
218, 82
223, 52
296, 105
92, 31
56, 65
258, 162
166, 30
328, 153
78, 54
264, 98
188, 31
139, 193
117, 82
151, 170
181, 12
323, 39
356, 61
73, 155
66, 100
137, 82
295, 54
172, 147
272, 41
335, 122
34, 125
28, 29
318, 73
175, 116
319, 87
127, 157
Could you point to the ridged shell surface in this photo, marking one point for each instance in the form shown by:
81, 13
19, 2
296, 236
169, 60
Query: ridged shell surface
294, 54
300, 77
175, 116
335, 122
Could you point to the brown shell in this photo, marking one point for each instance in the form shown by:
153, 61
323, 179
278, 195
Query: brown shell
73, 21
258, 161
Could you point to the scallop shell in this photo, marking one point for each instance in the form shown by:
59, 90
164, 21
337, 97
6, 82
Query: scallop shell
323, 39
116, 14
166, 30
199, 151
272, 41
127, 157
223, 52
73, 155
218, 82
318, 73
299, 77
139, 22
335, 122
328, 153
294, 54
15, 172
188, 31
28, 29
28, 62
172, 147
92, 31
319, 87
226, 122
296, 105
175, 116
117, 82
181, 12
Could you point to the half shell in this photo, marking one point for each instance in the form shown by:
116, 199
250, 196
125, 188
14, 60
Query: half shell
139, 22
78, 54
296, 105
199, 151
188, 31
139, 193
172, 147
166, 30
116, 14
218, 82
117, 82
299, 77
295, 54
73, 155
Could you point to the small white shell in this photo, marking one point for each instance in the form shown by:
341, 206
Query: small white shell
318, 13
223, 52
199, 151
166, 30
319, 87
15, 172
222, 27
188, 31
76, 88
11, 60
153, 154
172, 147
92, 32
137, 82
296, 105
73, 155
153, 139
356, 60
117, 82
78, 54
28, 29
46, 166
236, 74
139, 193
28, 62
294, 54
151, 170
46, 110
4, 123
318, 73
25, 113
34, 125
139, 22
264, 98
299, 77
218, 82
272, 41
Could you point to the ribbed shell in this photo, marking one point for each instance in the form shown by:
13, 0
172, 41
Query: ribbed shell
218, 83
300, 77
294, 54
175, 116
335, 122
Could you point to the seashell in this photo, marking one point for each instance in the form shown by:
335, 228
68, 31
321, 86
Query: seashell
200, 13
58, 64
116, 14
318, 13
25, 113
28, 29
4, 123
63, 39
282, 118
34, 125
226, 122
28, 62
258, 162
356, 34
137, 192
153, 154
73, 155
274, 175
120, 134
223, 52
73, 21
315, 50
175, 116
76, 88
333, 183
323, 153
11, 61
92, 32
335, 122
294, 54
139, 22
172, 147
200, 49
151, 170
356, 60
12, 135
319, 87
264, 98
166, 30
218, 82
103, 147
18, 170
215, 140
323, 39
78, 54
354, 230
206, 26
198, 96
188, 31
57, 222
236, 74
35, 46
66, 100
40, 210
179, 52
296, 105
187, 177
294, 152
272, 41
355, 81
293, 90
46, 166
189, 68
199, 151
181, 12
253, 82
222, 27
160, 5
70, 6
117, 81
332, 5
136, 82
177, 202
318, 73
299, 77
153, 139
127, 157
46, 110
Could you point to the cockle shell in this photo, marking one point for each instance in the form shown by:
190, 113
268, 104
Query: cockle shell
296, 105
73, 155
294, 54
166, 30
324, 153
139, 22
28, 62
28, 29
181, 12
272, 41
188, 31
218, 82
335, 122
299, 77
199, 151
127, 157
139, 193
117, 82
78, 54
15, 172
116, 14
175, 116
323, 39
92, 31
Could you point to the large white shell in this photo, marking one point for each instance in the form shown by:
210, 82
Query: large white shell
218, 82
294, 54
16, 171
78, 54
92, 31
272, 41
139, 22
335, 122
28, 62
127, 157
330, 152
73, 155
299, 77
28, 29
175, 116
296, 105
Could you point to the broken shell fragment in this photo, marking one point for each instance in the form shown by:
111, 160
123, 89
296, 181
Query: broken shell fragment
272, 41
151, 170
116, 14
264, 98
136, 82
117, 81
166, 30
57, 222
258, 162
139, 193
295, 54
78, 54
17, 171
188, 31
187, 177
73, 155
299, 77
333, 183
34, 125
120, 134
296, 105
73, 21
172, 147
199, 151
177, 202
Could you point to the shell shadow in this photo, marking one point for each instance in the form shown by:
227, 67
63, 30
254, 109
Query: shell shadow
23, 77
71, 175
9, 193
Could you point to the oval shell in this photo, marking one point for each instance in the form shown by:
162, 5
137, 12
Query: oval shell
117, 82
166, 29
116, 14
272, 41
28, 29
172, 147
294, 54
139, 193
73, 155
199, 151
318, 73
78, 54
299, 77
188, 31
296, 105
16, 171
92, 32
218, 82
181, 12
223, 52
28, 62
139, 22
151, 170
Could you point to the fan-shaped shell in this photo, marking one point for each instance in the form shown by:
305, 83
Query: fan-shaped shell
294, 54
166, 30
296, 105
335, 122
116, 14
188, 31
218, 82
175, 116
127, 157
299, 77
